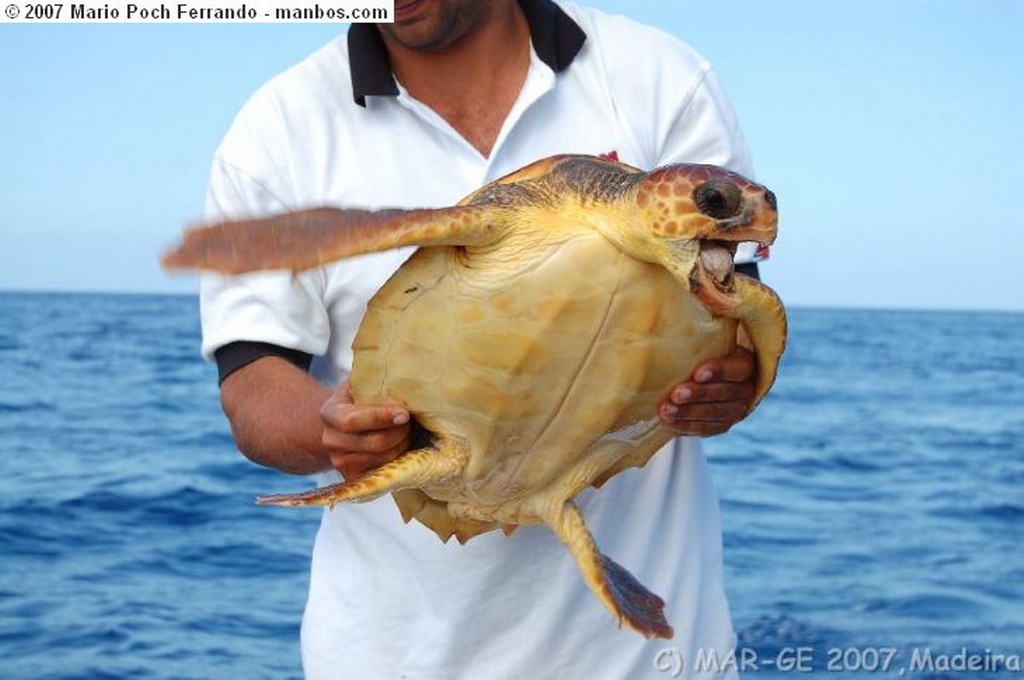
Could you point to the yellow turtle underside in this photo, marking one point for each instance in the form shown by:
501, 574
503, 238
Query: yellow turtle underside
545, 378
533, 335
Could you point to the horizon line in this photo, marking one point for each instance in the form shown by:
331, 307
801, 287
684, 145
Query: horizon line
837, 307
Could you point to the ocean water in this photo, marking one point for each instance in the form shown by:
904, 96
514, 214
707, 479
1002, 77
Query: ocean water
873, 507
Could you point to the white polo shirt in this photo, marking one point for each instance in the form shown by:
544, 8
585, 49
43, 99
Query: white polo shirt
389, 600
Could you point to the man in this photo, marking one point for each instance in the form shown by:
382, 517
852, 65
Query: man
419, 113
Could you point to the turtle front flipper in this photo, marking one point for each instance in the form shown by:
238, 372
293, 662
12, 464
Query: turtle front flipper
763, 318
414, 469
310, 238
617, 589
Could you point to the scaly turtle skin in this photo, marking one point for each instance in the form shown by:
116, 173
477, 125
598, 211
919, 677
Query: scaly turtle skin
532, 336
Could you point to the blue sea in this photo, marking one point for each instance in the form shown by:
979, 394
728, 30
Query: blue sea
873, 507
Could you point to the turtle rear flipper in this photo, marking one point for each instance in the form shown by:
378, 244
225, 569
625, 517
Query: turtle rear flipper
413, 469
305, 239
617, 589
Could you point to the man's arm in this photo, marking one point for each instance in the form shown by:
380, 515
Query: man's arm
284, 419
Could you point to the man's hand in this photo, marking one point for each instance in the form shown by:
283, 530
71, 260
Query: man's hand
715, 398
361, 438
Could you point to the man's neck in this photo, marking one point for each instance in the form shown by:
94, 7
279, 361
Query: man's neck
474, 82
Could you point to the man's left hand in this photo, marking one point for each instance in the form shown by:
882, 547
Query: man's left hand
714, 399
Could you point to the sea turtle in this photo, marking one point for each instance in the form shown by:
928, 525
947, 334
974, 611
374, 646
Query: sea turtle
532, 335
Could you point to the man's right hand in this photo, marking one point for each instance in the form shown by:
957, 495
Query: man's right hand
361, 438
284, 419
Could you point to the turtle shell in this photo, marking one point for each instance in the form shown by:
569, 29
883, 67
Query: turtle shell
533, 335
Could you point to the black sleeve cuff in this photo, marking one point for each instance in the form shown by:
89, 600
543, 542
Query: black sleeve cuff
749, 269
235, 355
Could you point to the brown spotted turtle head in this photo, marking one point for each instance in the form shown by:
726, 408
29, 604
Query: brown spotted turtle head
690, 219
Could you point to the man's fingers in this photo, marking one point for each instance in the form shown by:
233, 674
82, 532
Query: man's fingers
352, 465
356, 454
719, 412
694, 393
372, 442
370, 418
340, 414
360, 438
735, 368
699, 428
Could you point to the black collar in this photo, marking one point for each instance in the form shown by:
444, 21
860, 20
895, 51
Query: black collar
556, 40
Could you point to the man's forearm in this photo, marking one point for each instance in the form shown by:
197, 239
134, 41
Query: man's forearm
274, 410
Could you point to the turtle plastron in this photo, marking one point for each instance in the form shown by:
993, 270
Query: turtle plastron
533, 335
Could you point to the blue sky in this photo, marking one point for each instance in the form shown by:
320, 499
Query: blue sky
890, 130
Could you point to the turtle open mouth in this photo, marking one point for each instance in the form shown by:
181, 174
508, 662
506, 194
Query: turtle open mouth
716, 257
712, 277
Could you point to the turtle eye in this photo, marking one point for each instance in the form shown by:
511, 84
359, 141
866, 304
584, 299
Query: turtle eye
718, 198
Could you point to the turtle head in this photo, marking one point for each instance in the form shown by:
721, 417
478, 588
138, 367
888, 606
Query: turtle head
697, 202
692, 218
